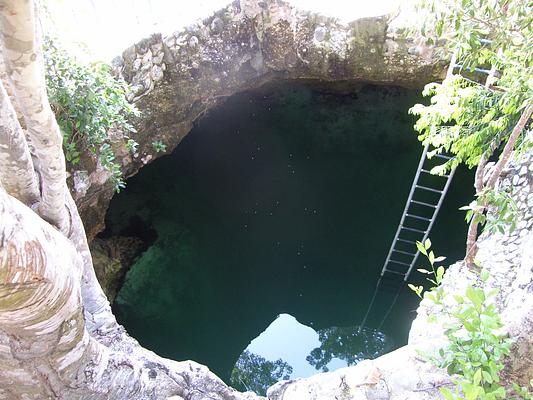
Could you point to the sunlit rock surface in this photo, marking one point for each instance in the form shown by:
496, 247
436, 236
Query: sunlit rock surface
402, 374
178, 77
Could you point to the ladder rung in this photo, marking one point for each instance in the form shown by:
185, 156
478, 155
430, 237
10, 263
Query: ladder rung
404, 252
388, 279
429, 172
384, 288
399, 262
475, 69
413, 229
417, 217
394, 272
443, 156
428, 189
422, 203
406, 241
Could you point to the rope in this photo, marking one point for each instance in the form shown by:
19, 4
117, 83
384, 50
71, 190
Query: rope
370, 305
391, 307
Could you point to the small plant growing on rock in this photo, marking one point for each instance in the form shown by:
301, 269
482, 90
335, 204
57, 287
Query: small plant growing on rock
159, 146
132, 145
87, 102
476, 345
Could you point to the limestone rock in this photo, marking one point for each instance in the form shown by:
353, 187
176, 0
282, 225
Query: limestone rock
509, 259
111, 257
398, 375
401, 375
241, 47
320, 33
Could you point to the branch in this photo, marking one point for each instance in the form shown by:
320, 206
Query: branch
16, 167
507, 150
471, 238
23, 60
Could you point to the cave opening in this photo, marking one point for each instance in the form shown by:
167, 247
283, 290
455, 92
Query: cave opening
277, 211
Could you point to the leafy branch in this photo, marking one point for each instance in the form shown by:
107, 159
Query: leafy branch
473, 120
88, 102
476, 343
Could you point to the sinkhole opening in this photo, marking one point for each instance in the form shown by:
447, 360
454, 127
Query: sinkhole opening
270, 224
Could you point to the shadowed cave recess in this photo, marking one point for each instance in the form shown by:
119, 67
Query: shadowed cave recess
281, 201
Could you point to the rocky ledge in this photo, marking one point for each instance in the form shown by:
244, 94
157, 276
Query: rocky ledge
179, 77
402, 374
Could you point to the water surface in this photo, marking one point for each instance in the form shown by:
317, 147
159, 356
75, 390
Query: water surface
284, 202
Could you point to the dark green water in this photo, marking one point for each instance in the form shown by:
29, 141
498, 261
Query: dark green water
280, 201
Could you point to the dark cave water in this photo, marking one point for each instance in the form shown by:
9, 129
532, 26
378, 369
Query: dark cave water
281, 202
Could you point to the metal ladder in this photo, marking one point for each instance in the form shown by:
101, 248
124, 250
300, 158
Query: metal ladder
421, 209
423, 204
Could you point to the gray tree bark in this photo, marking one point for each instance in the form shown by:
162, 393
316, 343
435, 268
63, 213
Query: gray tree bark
58, 336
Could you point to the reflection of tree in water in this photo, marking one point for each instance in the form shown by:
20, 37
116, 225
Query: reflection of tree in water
348, 344
254, 373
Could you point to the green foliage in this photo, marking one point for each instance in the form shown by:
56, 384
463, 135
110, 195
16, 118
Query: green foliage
436, 272
132, 145
476, 345
466, 117
87, 101
505, 213
254, 373
473, 118
159, 146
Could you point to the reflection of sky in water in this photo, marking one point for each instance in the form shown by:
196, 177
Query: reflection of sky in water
293, 342
240, 238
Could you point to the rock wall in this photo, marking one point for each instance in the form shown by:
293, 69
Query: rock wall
401, 374
178, 78
509, 259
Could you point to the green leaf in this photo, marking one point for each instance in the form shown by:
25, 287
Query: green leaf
475, 295
477, 377
421, 248
416, 289
440, 273
487, 377
484, 275
448, 395
458, 299
424, 271
470, 390
427, 244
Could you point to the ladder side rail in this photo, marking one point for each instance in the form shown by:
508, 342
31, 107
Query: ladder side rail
492, 74
452, 64
449, 73
369, 309
413, 187
433, 218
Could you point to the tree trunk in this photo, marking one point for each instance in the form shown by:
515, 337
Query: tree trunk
58, 337
16, 166
23, 62
471, 237
45, 350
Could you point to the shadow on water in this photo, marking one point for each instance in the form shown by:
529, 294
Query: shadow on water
281, 200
